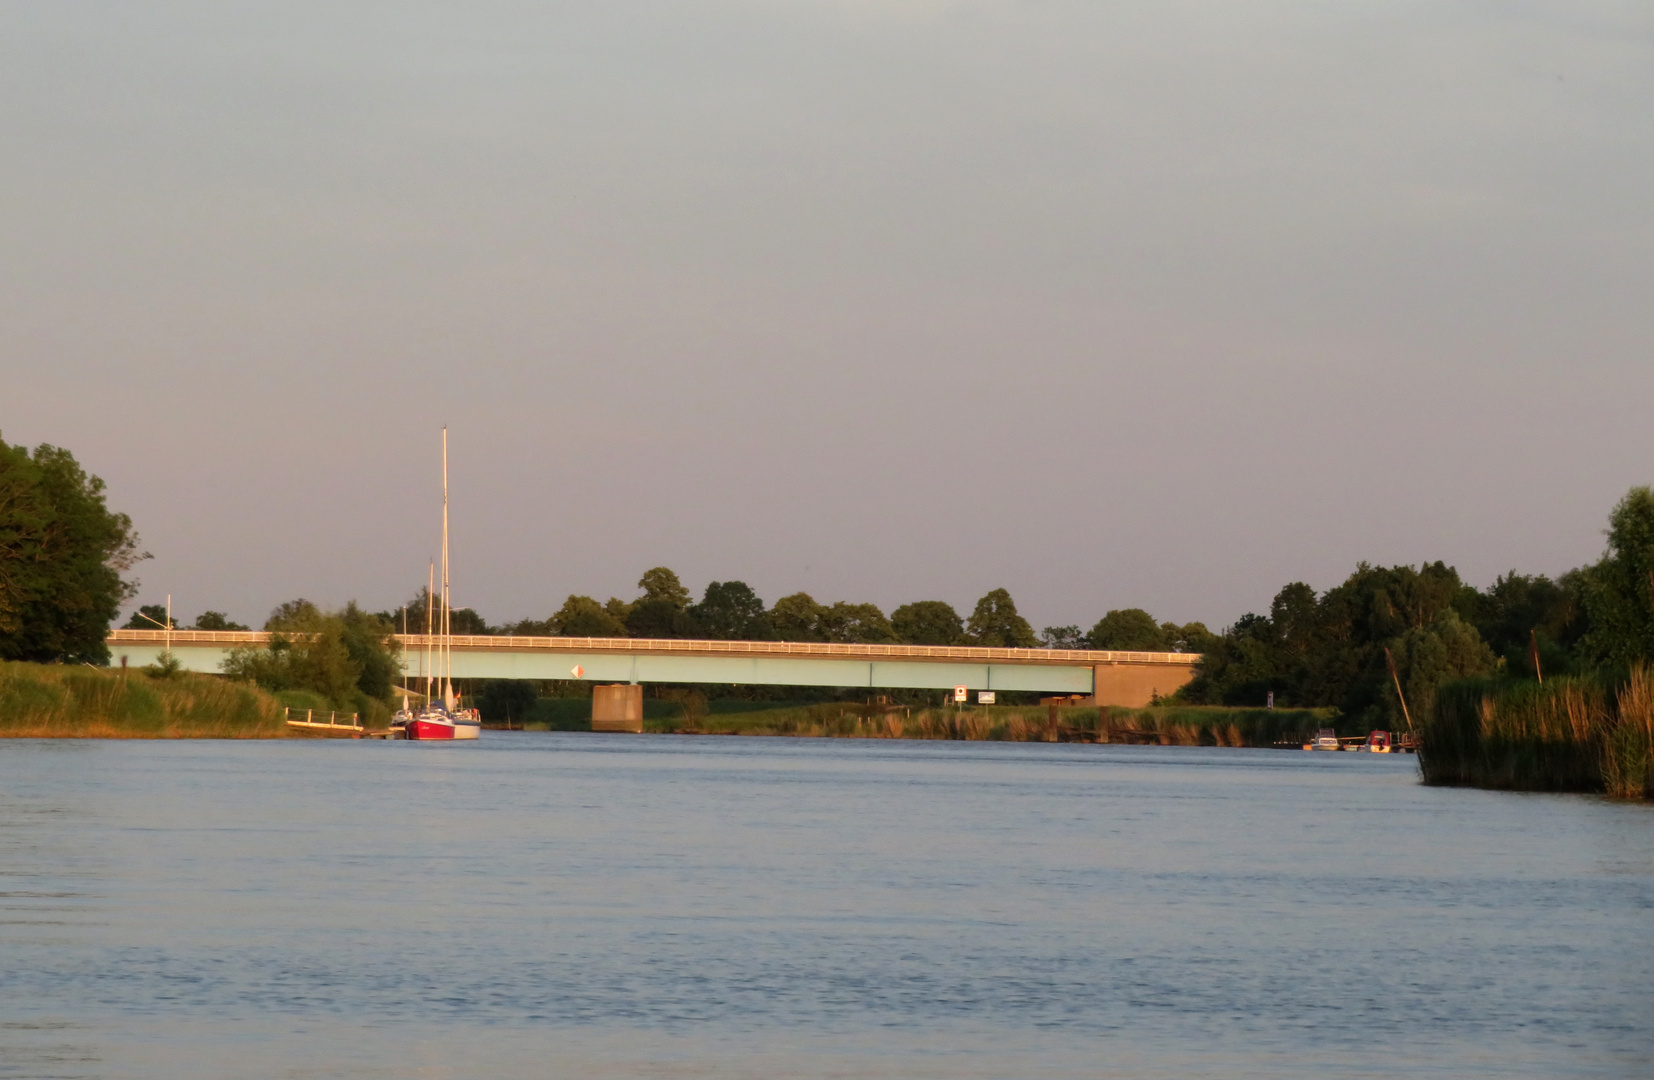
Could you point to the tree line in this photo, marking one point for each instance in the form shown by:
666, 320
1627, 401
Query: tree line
1335, 647
65, 557
733, 611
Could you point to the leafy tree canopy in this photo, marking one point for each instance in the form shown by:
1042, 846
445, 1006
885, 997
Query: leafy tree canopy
582, 616
928, 622
151, 617
797, 618
344, 655
1128, 629
854, 624
62, 554
1618, 592
662, 585
995, 622
215, 620
731, 611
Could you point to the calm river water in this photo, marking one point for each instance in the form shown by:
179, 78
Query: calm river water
541, 905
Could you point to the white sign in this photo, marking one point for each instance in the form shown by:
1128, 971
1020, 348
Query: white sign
960, 695
984, 697
578, 671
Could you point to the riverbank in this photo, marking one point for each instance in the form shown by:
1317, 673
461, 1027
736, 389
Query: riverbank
1567, 734
59, 701
1166, 725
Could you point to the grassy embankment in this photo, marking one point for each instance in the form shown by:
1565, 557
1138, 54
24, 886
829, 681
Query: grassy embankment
1564, 735
56, 701
1167, 726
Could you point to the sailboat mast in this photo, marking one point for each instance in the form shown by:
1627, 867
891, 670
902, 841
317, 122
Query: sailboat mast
430, 664
447, 621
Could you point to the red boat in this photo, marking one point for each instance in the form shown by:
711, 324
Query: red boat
1378, 742
440, 724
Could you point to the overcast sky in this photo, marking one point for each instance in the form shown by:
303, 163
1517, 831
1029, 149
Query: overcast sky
1147, 304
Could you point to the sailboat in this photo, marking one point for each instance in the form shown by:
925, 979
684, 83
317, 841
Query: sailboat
443, 720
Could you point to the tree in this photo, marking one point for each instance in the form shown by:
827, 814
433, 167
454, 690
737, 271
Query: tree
345, 656
1062, 637
506, 700
854, 624
62, 554
731, 611
995, 622
1618, 592
797, 618
663, 585
214, 620
928, 622
1427, 656
658, 617
581, 616
151, 617
1128, 629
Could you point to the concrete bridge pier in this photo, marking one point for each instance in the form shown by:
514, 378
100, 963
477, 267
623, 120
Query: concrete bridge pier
617, 707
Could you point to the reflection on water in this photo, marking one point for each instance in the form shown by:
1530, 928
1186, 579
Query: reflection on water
580, 905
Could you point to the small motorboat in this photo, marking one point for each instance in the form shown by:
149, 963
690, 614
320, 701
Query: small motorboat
1378, 742
1325, 739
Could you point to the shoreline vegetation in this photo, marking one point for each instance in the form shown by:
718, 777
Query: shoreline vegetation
58, 701
1565, 734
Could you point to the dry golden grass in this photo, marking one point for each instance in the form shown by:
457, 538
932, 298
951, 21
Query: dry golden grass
53, 701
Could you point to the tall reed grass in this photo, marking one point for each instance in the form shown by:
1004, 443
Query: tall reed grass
1567, 734
54, 701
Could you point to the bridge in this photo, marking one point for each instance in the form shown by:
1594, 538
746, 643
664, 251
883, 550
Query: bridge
1108, 677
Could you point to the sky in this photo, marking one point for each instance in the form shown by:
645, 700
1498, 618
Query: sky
1158, 304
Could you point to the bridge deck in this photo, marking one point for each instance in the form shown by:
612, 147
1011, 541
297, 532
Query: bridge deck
786, 663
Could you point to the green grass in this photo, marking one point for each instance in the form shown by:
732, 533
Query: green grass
59, 701
1569, 734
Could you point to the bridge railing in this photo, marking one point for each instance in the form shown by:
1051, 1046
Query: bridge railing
470, 642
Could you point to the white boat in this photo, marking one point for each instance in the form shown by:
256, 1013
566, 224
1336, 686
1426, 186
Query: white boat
1325, 739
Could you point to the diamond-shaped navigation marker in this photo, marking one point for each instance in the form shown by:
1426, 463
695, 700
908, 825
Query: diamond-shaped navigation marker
578, 671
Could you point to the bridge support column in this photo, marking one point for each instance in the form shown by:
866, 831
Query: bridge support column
617, 708
1135, 686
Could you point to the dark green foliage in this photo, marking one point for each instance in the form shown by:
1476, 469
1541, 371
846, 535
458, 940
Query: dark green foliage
506, 701
1062, 637
855, 624
995, 623
1128, 629
658, 617
151, 617
1618, 592
1518, 610
796, 618
62, 554
214, 620
928, 622
731, 611
348, 657
662, 585
1329, 650
460, 620
581, 616
663, 609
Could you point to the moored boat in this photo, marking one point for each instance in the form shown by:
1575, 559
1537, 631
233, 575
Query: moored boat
1378, 742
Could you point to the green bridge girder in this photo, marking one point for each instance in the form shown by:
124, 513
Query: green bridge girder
615, 660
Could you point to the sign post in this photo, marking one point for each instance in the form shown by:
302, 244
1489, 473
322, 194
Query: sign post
985, 697
960, 694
